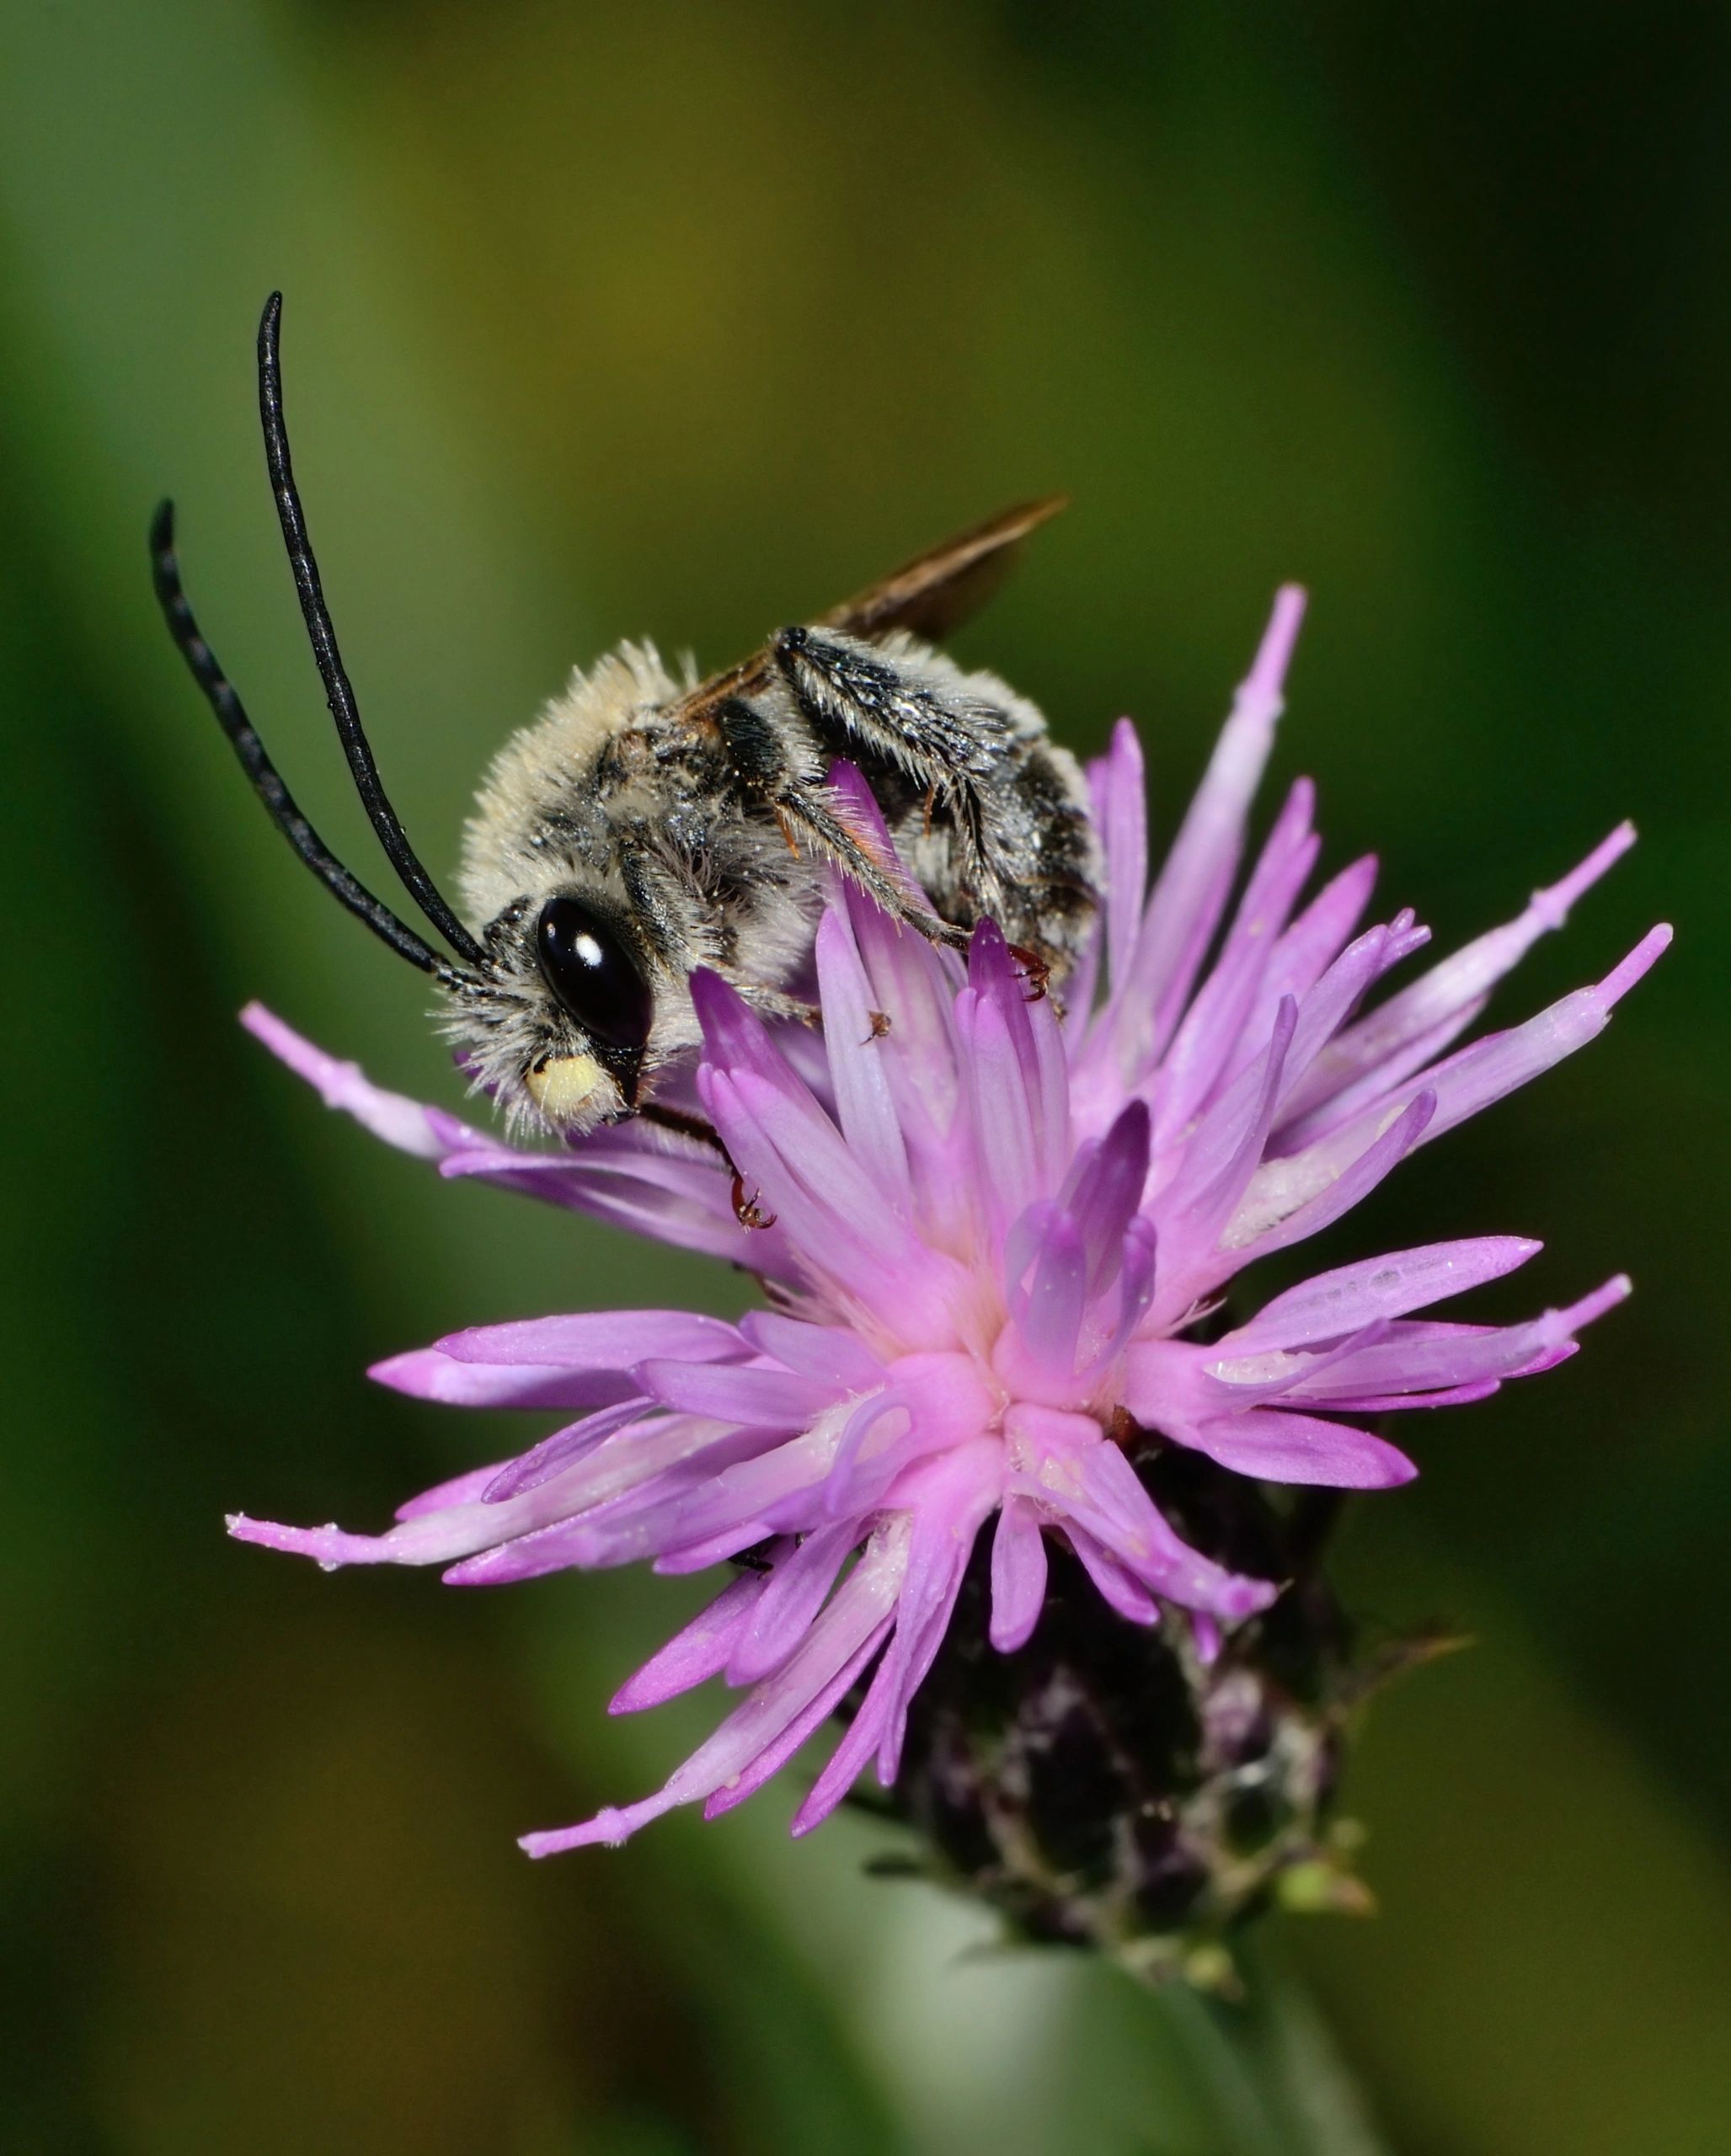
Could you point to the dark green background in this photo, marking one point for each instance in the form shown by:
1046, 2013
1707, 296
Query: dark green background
681, 319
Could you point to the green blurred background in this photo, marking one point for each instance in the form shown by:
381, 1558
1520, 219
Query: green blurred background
682, 319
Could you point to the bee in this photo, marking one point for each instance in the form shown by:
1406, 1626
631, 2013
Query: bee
650, 822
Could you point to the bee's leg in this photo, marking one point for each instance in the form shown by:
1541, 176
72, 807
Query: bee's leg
747, 1209
776, 1004
809, 820
927, 725
807, 817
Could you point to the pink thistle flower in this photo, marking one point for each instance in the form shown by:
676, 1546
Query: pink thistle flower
991, 1227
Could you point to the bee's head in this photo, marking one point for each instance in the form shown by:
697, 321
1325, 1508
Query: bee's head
556, 1024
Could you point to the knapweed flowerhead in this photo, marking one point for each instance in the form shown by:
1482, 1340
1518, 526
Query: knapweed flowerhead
995, 1233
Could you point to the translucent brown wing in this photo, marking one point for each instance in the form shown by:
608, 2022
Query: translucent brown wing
936, 592
932, 594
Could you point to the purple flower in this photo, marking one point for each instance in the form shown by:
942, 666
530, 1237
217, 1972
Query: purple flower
990, 1226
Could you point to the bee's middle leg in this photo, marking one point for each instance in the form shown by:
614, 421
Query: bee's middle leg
809, 816
859, 702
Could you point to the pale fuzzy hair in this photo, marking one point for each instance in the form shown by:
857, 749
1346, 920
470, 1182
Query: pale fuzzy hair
536, 763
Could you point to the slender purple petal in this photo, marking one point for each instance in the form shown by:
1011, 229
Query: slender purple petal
1103, 1193
955, 1493
772, 1400
1226, 1150
865, 1102
460, 1490
1387, 1403
795, 1592
1296, 1133
1018, 1575
1476, 1077
563, 1449
698, 1652
429, 1373
1312, 943
1062, 1462
1354, 1295
452, 1532
595, 1507
775, 1756
671, 1197
1423, 1358
1280, 1447
1192, 881
428, 1132
1203, 1044
1286, 1201
1457, 986
1049, 1310
1124, 833
849, 1759
1118, 1588
813, 1678
1343, 987
597, 1340
828, 1353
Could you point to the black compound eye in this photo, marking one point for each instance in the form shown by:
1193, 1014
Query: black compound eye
593, 975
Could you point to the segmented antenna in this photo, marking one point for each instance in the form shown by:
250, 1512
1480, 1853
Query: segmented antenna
267, 781
322, 635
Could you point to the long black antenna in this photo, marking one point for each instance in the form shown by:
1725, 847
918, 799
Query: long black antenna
339, 694
267, 781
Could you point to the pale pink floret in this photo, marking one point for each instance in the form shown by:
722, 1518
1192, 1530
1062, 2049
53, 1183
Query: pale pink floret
995, 1225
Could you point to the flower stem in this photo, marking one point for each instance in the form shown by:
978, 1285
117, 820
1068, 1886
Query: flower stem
1272, 2067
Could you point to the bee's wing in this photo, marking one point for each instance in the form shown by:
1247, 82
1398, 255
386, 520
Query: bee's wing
938, 590
932, 594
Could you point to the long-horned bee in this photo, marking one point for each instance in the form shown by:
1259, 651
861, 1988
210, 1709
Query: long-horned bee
649, 824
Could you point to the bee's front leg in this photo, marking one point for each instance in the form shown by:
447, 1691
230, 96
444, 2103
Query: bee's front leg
919, 715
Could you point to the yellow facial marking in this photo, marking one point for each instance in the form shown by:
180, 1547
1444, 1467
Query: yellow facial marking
562, 1086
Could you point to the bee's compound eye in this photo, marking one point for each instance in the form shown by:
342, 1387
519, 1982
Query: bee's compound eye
592, 973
